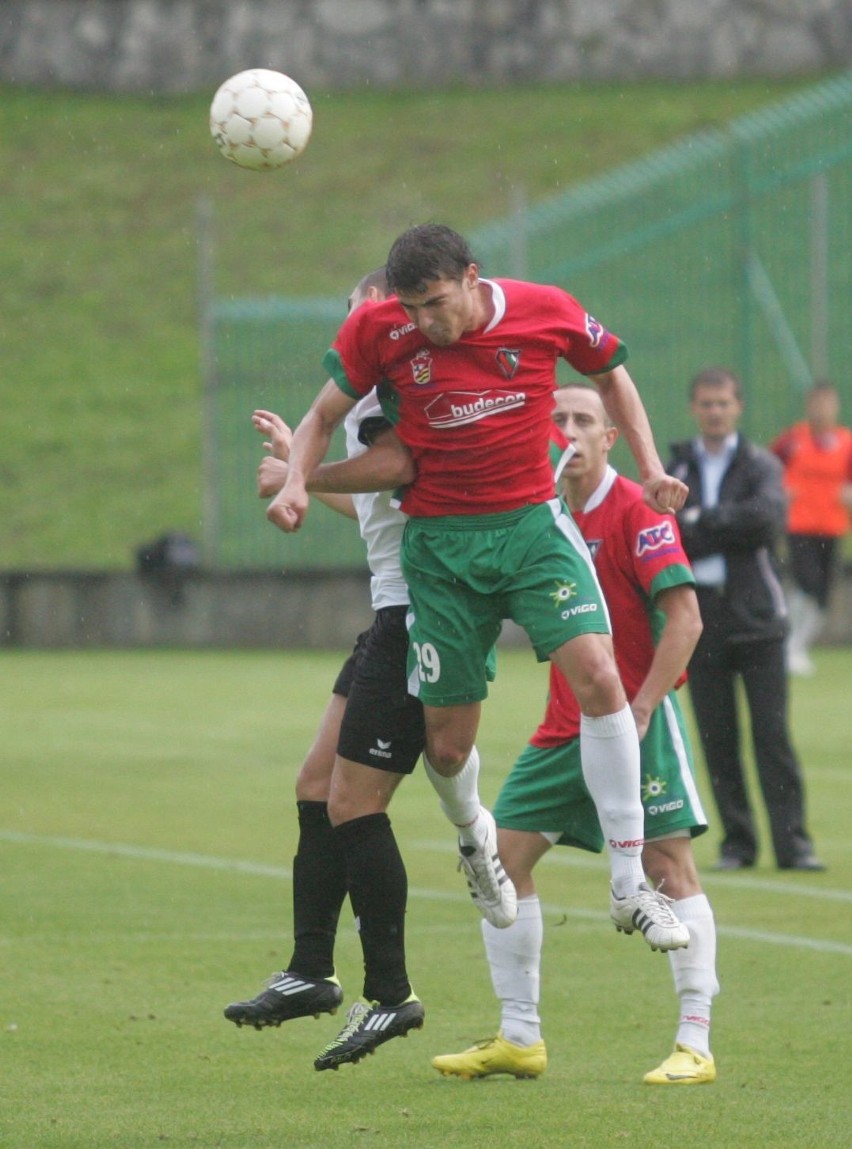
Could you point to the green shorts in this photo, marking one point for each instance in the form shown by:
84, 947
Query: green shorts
545, 792
467, 573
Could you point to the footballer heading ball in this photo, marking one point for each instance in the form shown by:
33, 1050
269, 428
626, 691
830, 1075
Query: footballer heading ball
260, 119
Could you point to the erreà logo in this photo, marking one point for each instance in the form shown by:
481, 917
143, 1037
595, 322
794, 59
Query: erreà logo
455, 408
508, 360
421, 366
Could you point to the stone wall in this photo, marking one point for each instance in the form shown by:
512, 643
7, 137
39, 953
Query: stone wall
197, 609
189, 45
181, 608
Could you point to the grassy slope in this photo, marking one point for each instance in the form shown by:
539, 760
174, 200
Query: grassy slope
99, 373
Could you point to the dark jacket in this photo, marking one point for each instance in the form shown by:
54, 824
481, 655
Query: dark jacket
744, 527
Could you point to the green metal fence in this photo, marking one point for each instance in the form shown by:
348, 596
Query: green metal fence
731, 247
266, 354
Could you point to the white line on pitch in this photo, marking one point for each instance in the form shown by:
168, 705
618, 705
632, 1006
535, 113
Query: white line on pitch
583, 860
257, 869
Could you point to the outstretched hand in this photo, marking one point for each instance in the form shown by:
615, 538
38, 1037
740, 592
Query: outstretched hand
279, 435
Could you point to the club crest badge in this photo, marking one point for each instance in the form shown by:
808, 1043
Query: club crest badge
508, 360
421, 367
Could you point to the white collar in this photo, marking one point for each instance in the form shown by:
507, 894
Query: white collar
601, 491
498, 298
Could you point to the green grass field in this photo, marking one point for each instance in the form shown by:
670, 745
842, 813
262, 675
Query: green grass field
99, 357
146, 836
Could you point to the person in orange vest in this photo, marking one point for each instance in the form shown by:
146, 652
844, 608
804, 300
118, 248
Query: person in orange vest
817, 458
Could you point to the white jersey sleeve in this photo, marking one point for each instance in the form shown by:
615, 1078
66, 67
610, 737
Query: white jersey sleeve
380, 523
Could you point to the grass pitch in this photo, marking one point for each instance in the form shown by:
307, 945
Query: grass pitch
146, 838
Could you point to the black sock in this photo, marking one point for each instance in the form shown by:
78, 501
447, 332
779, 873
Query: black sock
378, 890
319, 889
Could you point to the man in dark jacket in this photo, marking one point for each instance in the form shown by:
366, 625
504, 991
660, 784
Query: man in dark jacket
733, 516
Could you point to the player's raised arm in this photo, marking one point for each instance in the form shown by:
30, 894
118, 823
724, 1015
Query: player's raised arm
624, 406
308, 449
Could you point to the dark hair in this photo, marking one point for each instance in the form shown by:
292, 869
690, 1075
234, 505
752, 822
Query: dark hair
424, 253
377, 278
715, 377
358, 294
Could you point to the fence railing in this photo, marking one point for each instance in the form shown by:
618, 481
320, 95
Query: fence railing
730, 247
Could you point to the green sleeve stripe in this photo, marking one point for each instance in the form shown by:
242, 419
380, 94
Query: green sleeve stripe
616, 361
331, 362
676, 575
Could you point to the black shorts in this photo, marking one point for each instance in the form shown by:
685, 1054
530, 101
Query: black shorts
383, 724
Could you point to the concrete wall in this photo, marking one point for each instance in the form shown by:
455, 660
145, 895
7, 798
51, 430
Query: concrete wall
197, 609
193, 609
187, 45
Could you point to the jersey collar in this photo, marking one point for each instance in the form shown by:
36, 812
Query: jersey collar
601, 491
498, 298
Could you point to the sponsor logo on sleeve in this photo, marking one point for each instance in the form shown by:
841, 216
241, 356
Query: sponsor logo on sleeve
594, 330
653, 539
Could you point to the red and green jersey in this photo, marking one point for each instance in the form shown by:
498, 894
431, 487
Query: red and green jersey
476, 415
637, 554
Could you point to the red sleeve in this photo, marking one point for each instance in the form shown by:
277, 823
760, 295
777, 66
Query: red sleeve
354, 351
588, 346
656, 548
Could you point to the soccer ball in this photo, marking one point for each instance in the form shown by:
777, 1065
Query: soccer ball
260, 119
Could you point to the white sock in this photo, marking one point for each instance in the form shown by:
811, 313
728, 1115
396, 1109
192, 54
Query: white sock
609, 752
514, 958
459, 797
694, 971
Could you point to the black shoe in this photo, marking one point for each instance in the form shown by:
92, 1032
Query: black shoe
807, 862
732, 862
287, 995
368, 1027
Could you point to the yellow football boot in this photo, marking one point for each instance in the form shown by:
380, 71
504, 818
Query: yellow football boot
496, 1055
683, 1067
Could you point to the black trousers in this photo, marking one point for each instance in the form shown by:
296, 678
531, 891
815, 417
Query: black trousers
813, 565
716, 665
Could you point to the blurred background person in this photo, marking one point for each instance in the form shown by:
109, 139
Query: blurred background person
730, 525
817, 458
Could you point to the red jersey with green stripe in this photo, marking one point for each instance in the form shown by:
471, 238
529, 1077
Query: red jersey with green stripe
476, 415
637, 554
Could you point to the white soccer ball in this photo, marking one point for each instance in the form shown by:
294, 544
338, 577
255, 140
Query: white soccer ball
260, 119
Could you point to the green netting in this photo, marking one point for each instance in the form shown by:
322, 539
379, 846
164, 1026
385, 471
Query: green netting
728, 248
